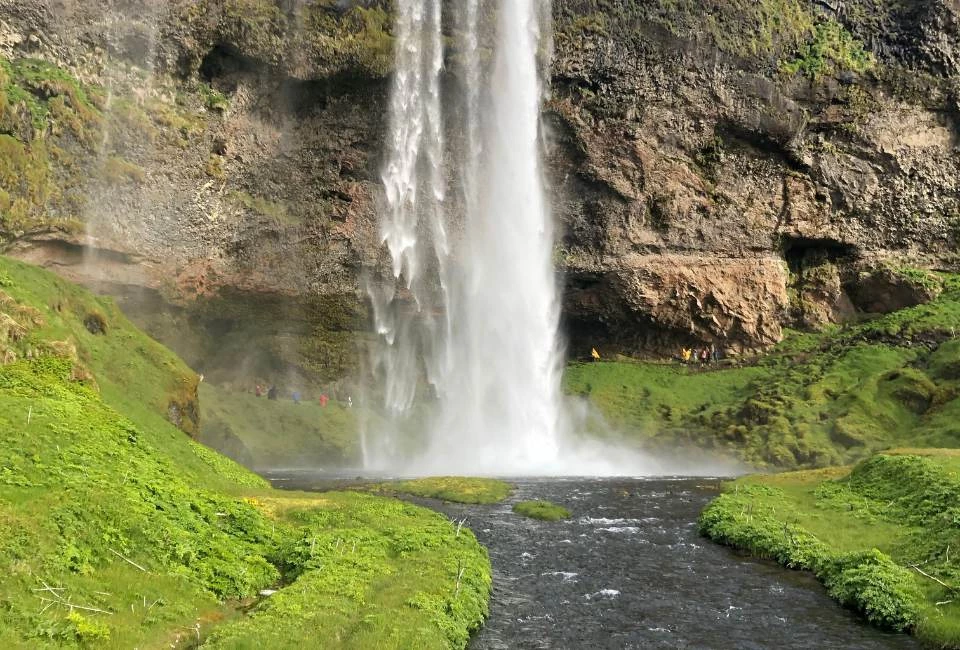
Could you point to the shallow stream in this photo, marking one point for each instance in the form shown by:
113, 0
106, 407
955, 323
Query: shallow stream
630, 571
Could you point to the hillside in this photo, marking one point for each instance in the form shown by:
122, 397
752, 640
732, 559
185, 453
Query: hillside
117, 530
815, 400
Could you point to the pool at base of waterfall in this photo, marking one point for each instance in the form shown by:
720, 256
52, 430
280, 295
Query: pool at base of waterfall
629, 570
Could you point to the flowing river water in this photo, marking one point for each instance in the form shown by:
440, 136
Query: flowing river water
629, 570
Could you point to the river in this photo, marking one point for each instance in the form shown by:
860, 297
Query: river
629, 570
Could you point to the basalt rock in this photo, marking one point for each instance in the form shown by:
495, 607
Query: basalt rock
714, 180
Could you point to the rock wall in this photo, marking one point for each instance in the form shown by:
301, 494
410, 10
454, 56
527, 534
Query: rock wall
719, 169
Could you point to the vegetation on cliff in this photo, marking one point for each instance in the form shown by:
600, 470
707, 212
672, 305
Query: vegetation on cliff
878, 536
322, 34
817, 399
116, 529
789, 34
61, 138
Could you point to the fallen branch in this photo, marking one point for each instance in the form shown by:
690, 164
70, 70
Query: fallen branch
937, 580
68, 604
128, 560
942, 603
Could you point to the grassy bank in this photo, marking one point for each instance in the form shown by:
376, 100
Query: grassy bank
117, 530
882, 537
266, 433
816, 400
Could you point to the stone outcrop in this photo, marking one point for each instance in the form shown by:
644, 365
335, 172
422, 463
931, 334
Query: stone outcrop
715, 175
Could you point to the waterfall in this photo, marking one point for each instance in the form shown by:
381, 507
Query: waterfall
478, 308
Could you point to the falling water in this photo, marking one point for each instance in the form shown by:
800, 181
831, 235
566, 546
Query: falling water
501, 403
481, 315
412, 224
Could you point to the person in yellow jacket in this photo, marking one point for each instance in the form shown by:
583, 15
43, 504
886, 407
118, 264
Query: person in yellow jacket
685, 354
595, 354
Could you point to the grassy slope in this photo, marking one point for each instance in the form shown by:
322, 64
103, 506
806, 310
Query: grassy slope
815, 400
278, 433
861, 531
91, 470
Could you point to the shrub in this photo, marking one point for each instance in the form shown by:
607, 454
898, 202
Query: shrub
874, 585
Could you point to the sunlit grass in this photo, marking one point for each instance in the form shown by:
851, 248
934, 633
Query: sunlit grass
452, 488
902, 504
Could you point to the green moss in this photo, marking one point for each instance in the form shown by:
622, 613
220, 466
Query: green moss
119, 170
42, 88
213, 99
860, 532
27, 185
351, 41
49, 122
370, 573
766, 29
214, 168
831, 50
456, 489
542, 510
278, 211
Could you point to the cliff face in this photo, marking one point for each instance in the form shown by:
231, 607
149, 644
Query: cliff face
743, 166
720, 170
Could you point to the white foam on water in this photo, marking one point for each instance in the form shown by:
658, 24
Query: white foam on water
603, 594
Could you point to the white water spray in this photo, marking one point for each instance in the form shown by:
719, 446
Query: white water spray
468, 320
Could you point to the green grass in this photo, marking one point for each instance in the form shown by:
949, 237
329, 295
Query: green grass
861, 531
542, 510
117, 530
278, 433
369, 573
817, 399
484, 491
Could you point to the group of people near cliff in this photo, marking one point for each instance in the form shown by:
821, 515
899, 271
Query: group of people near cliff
273, 393
703, 356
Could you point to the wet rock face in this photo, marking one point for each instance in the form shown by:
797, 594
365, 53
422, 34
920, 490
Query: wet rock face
680, 143
712, 181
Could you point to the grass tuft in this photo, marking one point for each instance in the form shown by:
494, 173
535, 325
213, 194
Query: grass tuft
542, 510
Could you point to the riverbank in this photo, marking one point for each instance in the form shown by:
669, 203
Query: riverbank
815, 400
117, 530
882, 537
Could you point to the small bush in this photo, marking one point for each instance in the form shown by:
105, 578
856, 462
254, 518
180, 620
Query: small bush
874, 585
